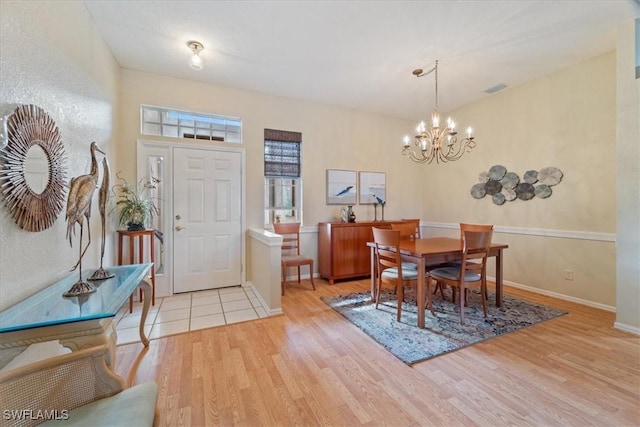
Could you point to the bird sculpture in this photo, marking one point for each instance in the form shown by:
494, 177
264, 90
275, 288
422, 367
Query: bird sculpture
344, 191
103, 197
81, 189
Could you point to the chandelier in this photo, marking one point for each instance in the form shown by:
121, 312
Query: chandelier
436, 143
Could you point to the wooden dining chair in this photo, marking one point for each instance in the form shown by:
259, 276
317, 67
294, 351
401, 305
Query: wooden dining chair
470, 227
463, 227
409, 231
291, 257
410, 228
389, 267
415, 223
472, 271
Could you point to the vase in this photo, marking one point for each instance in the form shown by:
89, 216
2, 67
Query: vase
344, 216
351, 215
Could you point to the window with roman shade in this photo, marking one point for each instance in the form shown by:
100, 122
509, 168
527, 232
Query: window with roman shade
282, 171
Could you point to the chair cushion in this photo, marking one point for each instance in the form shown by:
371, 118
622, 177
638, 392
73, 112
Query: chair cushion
135, 406
453, 273
409, 265
295, 259
407, 273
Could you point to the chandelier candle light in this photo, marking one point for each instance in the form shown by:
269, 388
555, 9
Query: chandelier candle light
439, 143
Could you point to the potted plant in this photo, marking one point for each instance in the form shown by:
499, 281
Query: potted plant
135, 205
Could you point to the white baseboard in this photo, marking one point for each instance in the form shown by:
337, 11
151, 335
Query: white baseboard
270, 311
558, 295
626, 328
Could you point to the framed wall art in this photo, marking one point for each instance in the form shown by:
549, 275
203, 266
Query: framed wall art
341, 187
373, 188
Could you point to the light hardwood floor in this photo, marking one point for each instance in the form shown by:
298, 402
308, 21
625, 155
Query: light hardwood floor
312, 367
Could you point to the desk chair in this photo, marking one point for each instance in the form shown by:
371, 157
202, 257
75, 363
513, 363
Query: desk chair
291, 257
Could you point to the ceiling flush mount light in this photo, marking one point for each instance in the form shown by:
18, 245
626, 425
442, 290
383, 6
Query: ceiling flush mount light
439, 143
195, 61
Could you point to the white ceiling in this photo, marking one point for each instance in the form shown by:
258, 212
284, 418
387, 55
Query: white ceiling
360, 54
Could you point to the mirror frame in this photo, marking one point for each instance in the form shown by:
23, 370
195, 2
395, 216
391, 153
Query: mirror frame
30, 125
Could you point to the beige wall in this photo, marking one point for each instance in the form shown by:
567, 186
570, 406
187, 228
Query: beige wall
566, 120
333, 138
52, 56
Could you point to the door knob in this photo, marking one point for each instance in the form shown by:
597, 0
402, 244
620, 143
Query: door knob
180, 228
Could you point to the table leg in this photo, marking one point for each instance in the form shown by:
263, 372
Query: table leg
499, 278
131, 243
373, 274
420, 292
140, 257
152, 249
146, 302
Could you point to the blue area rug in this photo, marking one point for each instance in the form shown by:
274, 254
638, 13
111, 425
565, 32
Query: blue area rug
443, 333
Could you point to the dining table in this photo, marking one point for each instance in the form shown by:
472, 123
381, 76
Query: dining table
436, 250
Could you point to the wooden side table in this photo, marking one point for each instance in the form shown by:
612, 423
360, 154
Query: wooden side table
140, 235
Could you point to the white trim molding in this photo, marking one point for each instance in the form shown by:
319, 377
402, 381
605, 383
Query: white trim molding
627, 328
266, 237
541, 232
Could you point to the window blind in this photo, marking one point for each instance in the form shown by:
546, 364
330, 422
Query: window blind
282, 153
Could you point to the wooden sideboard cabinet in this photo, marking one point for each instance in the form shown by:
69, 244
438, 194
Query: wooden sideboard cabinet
342, 249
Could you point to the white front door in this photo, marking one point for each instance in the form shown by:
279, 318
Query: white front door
207, 232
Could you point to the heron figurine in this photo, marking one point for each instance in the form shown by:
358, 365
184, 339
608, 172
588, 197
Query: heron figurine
103, 197
81, 189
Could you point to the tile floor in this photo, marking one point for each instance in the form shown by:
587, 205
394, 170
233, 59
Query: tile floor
189, 312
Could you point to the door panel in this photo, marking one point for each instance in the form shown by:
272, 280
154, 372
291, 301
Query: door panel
207, 225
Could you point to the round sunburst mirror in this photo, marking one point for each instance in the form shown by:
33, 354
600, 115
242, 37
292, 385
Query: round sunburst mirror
32, 170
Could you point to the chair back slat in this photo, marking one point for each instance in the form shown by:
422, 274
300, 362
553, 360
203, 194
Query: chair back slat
290, 233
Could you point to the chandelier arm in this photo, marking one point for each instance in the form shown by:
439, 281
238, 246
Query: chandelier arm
461, 147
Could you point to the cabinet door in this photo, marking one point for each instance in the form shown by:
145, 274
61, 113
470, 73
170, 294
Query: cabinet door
362, 262
345, 251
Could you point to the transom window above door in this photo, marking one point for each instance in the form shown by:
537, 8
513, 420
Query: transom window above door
191, 125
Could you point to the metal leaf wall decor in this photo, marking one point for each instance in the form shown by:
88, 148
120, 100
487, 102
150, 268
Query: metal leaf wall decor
504, 186
30, 125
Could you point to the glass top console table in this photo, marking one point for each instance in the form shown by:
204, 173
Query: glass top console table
77, 322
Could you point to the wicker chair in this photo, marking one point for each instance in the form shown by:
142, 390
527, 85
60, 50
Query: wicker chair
76, 388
